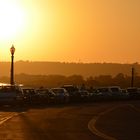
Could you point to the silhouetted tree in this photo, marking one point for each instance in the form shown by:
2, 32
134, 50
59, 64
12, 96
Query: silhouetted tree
104, 80
75, 79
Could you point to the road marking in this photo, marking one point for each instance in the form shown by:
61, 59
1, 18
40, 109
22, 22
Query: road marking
4, 119
94, 130
135, 108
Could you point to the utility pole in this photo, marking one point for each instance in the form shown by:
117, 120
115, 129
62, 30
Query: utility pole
132, 77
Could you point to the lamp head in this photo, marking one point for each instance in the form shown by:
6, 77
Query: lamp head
12, 50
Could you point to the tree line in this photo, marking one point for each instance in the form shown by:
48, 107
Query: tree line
120, 79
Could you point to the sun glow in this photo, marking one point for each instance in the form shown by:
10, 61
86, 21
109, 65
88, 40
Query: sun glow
12, 19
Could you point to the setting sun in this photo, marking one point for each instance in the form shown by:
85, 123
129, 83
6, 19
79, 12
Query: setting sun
12, 19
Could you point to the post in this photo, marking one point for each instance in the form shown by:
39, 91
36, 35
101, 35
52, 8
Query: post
12, 70
132, 77
12, 50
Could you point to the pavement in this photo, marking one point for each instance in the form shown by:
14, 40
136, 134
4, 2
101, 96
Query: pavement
122, 123
116, 120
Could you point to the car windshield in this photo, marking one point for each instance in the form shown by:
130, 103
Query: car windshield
29, 91
132, 90
103, 90
70, 88
43, 91
7, 89
114, 89
58, 90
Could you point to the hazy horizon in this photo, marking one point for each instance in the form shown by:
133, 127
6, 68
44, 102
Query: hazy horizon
69, 62
67, 69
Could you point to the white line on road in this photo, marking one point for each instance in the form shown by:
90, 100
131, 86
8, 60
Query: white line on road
4, 119
94, 130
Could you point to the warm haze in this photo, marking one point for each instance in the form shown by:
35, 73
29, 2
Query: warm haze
70, 30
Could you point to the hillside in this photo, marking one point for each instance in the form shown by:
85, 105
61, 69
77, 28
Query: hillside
67, 69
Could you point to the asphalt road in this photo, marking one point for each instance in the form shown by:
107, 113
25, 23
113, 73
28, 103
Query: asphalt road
88, 121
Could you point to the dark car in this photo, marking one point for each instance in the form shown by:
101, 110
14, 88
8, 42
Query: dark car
133, 93
84, 95
46, 96
73, 91
30, 96
103, 93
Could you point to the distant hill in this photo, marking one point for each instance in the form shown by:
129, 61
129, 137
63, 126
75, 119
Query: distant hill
67, 69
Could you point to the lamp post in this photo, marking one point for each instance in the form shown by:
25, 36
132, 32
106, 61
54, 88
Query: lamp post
12, 50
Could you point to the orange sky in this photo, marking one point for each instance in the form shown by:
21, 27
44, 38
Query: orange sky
76, 30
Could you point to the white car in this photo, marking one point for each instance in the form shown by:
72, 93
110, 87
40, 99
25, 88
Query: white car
115, 91
11, 95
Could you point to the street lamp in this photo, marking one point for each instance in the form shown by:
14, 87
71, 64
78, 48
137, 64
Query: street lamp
12, 50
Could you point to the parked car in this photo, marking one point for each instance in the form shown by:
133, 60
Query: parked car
133, 92
84, 95
62, 95
11, 95
103, 93
125, 94
30, 96
116, 92
46, 96
73, 91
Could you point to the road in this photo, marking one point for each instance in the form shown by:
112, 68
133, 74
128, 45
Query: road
88, 121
